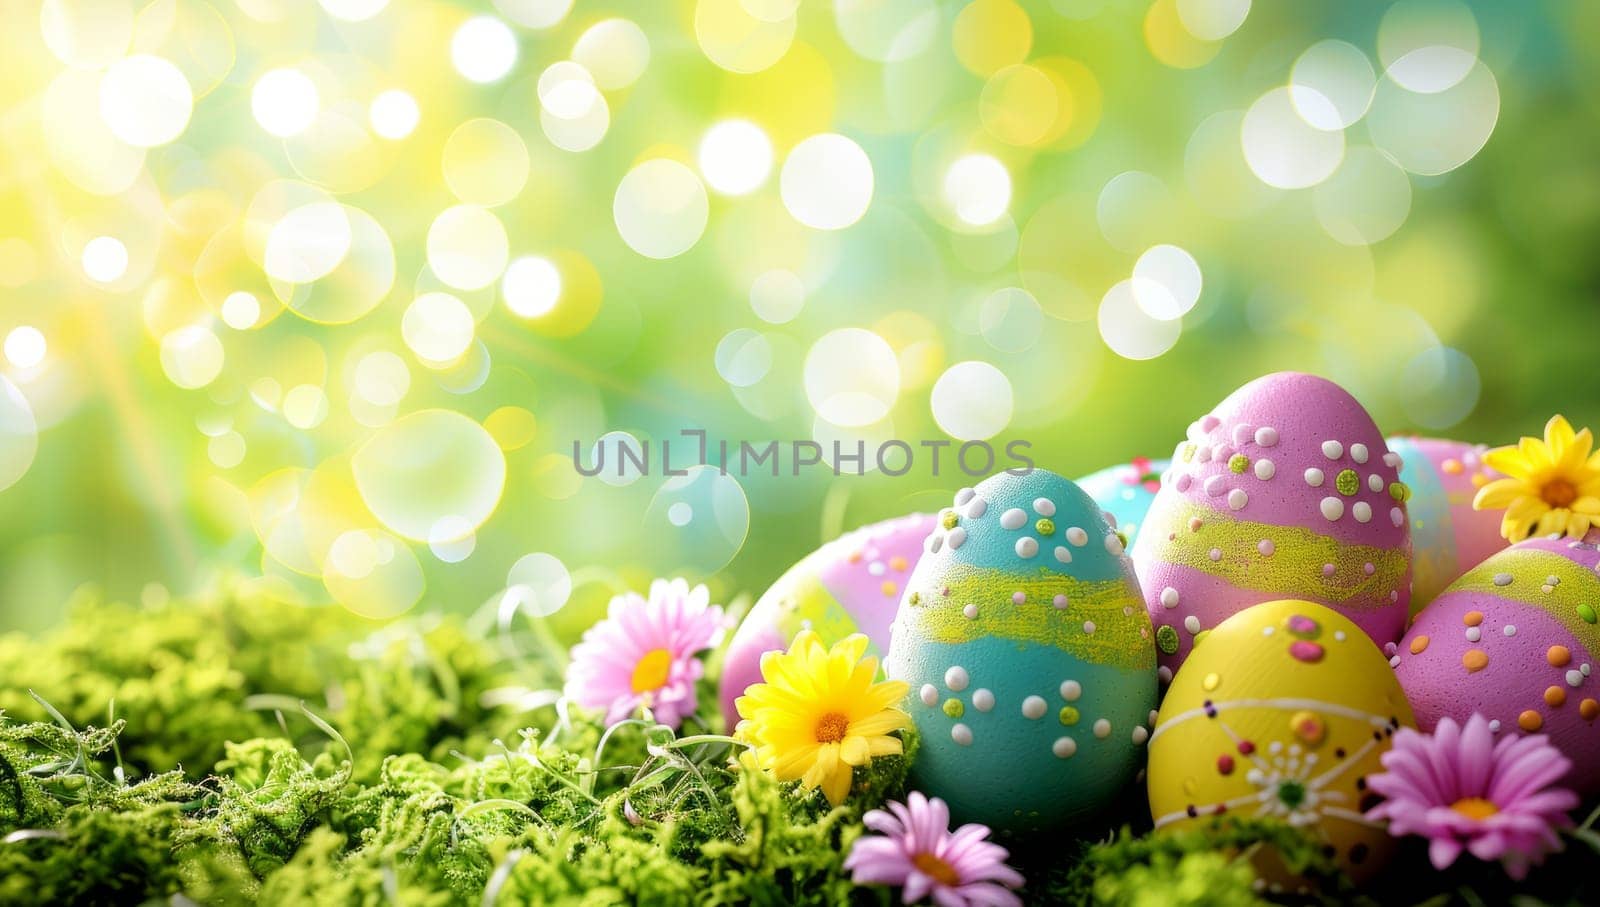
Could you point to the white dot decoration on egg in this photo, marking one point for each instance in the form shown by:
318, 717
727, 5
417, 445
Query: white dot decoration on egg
956, 678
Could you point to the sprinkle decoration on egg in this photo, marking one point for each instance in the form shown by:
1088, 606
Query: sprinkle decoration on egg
1280, 713
1125, 493
1285, 490
1516, 640
1029, 654
850, 585
1448, 537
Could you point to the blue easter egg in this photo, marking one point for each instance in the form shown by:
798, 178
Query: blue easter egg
1125, 492
1030, 656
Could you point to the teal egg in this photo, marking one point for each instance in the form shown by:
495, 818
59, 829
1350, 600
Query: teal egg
1029, 654
1125, 492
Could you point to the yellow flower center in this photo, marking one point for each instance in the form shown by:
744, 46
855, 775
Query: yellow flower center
936, 869
831, 728
1558, 493
652, 670
1475, 808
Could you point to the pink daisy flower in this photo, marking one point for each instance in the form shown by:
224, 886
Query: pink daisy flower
643, 653
1462, 789
916, 849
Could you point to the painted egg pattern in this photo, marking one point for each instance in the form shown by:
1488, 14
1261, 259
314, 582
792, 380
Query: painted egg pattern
1029, 654
850, 585
1125, 493
1448, 537
1516, 640
1285, 490
1281, 712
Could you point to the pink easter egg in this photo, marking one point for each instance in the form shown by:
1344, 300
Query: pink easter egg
1286, 490
1516, 640
850, 585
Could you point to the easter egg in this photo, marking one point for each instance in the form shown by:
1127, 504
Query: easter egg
1448, 537
1125, 492
850, 585
1515, 639
1280, 713
1285, 490
1028, 652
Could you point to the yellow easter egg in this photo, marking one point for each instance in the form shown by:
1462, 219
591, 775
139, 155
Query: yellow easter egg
1280, 714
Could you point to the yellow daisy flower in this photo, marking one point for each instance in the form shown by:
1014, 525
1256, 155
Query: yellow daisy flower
1551, 487
819, 713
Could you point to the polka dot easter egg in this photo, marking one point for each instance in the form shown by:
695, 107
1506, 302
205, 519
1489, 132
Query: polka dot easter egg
1029, 654
1285, 490
1516, 640
850, 585
1280, 713
1448, 537
1125, 493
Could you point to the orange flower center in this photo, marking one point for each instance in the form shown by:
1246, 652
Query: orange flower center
1475, 808
832, 727
1558, 493
936, 869
652, 670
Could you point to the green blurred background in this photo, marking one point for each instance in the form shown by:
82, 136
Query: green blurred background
262, 325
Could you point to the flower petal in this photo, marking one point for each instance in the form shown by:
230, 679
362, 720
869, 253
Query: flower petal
1443, 851
1499, 494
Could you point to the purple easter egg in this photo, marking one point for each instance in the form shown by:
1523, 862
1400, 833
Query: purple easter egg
850, 585
1515, 639
1285, 490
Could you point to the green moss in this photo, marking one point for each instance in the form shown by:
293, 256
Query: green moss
399, 782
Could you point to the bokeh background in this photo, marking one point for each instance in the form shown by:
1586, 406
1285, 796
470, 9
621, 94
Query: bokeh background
317, 295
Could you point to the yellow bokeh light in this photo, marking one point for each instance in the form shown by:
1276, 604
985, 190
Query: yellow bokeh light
1079, 101
86, 33
512, 427
485, 162
1173, 44
580, 295
1020, 105
737, 41
990, 35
